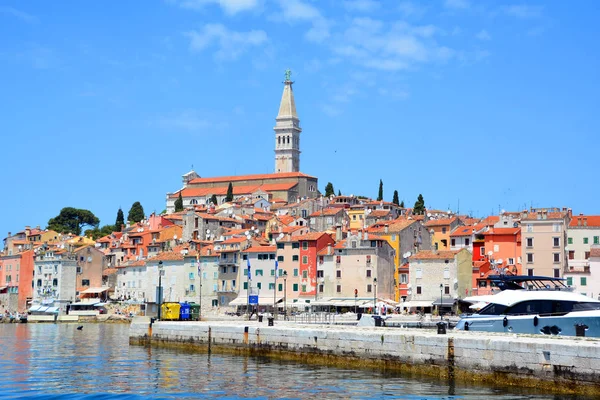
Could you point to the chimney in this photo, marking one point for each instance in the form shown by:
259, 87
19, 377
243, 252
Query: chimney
338, 233
329, 249
584, 221
37, 227
386, 229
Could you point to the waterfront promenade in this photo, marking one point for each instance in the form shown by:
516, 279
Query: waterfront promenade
549, 364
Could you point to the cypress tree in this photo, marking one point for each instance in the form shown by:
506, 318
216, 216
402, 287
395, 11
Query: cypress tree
402, 204
179, 203
395, 200
419, 207
229, 195
329, 190
214, 200
380, 196
120, 220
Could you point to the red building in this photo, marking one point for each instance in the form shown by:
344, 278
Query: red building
310, 245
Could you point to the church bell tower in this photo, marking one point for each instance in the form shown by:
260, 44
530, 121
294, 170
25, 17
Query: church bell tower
287, 131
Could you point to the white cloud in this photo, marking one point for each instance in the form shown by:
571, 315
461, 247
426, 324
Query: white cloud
410, 9
19, 14
230, 44
459, 4
331, 110
361, 5
524, 11
483, 35
293, 11
230, 7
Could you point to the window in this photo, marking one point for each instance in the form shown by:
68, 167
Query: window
556, 257
259, 272
295, 271
338, 273
84, 282
55, 282
511, 261
279, 258
467, 241
403, 278
419, 273
529, 258
596, 239
295, 258
529, 228
368, 273
259, 285
368, 259
272, 272
446, 273
338, 259
446, 289
338, 289
192, 288
295, 287
418, 289
191, 276
587, 255
295, 245
320, 273
555, 242
570, 281
557, 272
585, 240
482, 251
369, 288
271, 286
245, 271
244, 257
304, 259
570, 240
304, 288
529, 241
583, 281
571, 254
305, 274
271, 257
444, 229
555, 227
280, 287
245, 285
280, 245
529, 271
452, 242
304, 245
354, 244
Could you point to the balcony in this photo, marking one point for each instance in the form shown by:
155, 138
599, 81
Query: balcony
578, 269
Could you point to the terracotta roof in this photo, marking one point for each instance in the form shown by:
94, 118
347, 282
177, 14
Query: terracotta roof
595, 252
462, 231
503, 231
227, 179
434, 255
234, 240
591, 220
286, 219
440, 221
167, 256
237, 190
394, 226
533, 216
109, 271
327, 211
261, 249
310, 236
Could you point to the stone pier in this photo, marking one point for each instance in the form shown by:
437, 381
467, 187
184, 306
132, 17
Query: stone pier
548, 364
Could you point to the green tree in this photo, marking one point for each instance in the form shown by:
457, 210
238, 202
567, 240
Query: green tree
419, 207
120, 221
380, 195
97, 233
72, 220
214, 200
402, 204
329, 190
179, 203
136, 213
229, 195
339, 192
396, 200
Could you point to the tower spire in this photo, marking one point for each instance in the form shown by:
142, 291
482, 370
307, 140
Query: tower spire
287, 130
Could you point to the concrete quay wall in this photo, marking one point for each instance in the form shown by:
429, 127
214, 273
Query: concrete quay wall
552, 365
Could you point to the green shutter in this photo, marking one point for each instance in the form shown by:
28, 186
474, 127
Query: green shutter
246, 285
295, 287
280, 287
570, 240
583, 281
569, 281
585, 240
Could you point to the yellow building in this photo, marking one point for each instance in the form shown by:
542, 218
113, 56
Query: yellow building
440, 229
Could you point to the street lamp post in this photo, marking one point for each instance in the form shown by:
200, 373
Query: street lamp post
375, 296
160, 265
441, 298
285, 295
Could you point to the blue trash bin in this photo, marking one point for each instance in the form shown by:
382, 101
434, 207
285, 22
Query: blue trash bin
184, 312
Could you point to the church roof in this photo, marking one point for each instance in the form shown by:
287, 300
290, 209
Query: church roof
227, 179
287, 108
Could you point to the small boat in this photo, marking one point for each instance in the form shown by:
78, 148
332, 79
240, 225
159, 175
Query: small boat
531, 305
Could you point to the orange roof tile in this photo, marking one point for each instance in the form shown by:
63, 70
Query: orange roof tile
167, 256
434, 255
261, 249
440, 221
533, 216
310, 236
327, 211
393, 226
227, 179
590, 220
462, 231
502, 231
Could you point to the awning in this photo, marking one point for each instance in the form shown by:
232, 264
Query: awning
51, 310
93, 290
415, 304
262, 301
35, 308
445, 302
2, 288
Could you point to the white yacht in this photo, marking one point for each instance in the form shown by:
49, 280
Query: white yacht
546, 310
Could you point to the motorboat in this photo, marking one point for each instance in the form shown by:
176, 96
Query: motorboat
528, 306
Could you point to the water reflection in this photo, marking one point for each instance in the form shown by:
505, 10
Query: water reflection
43, 360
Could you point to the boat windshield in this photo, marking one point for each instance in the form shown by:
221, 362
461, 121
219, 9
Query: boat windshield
541, 307
586, 306
492, 309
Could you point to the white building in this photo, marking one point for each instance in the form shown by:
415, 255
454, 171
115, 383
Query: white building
54, 278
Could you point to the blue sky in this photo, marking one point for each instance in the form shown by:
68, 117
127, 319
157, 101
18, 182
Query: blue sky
490, 104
